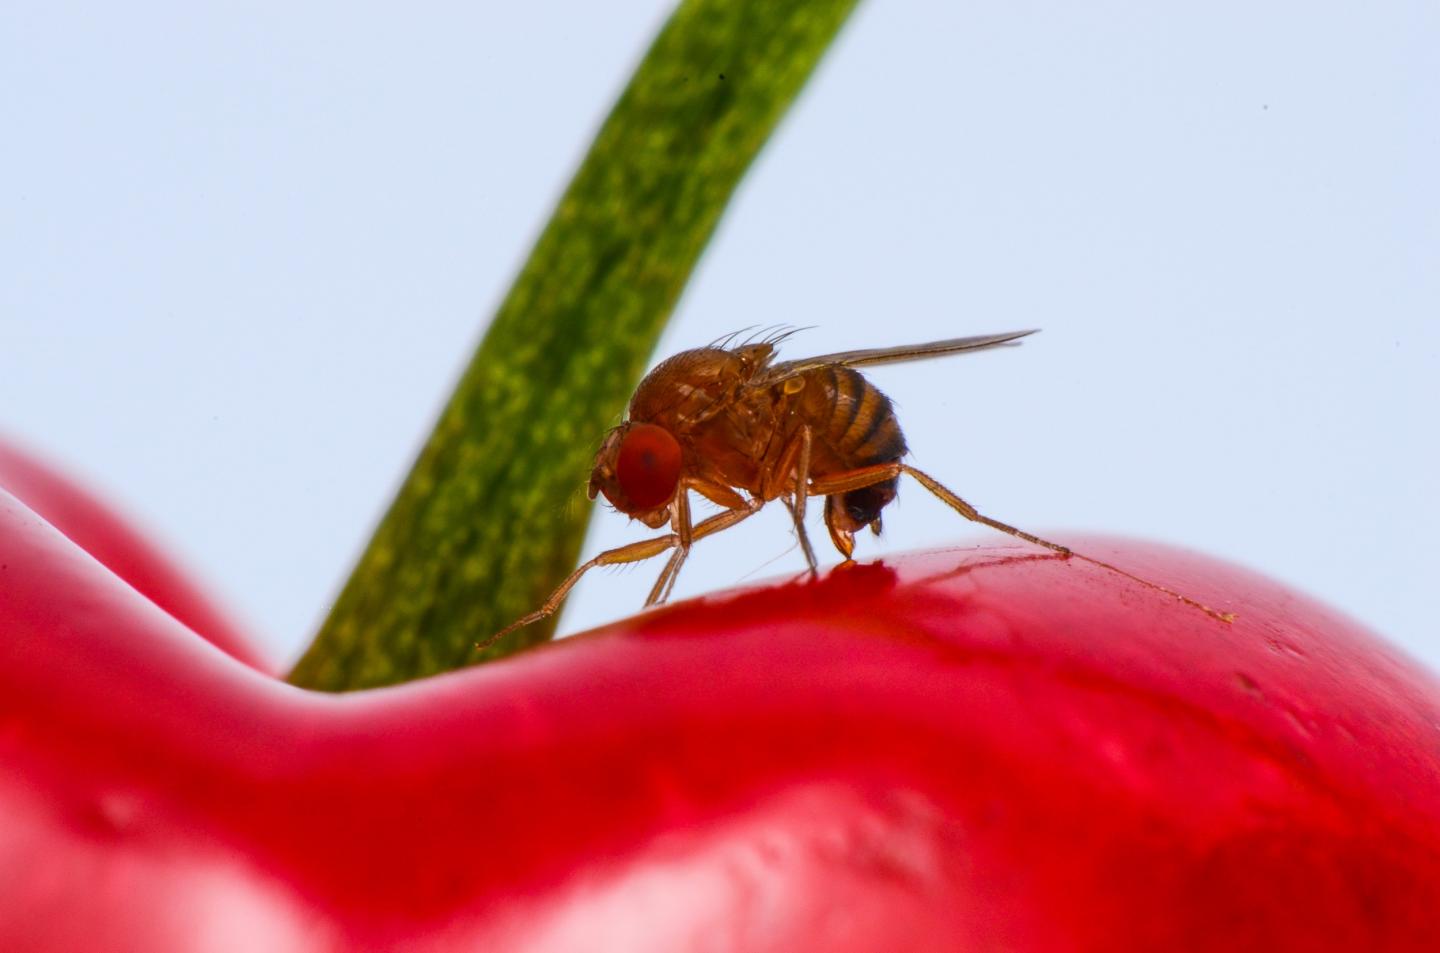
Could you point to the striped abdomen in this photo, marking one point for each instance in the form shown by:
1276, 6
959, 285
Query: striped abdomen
858, 429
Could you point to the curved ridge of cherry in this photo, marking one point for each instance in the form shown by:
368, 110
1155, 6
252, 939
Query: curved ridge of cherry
972, 748
98, 529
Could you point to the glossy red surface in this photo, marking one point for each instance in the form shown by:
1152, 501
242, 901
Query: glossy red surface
970, 749
111, 539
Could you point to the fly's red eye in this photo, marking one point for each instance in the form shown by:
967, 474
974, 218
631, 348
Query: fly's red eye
648, 467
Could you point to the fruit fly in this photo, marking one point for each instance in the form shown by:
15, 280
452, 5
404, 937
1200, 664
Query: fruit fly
742, 429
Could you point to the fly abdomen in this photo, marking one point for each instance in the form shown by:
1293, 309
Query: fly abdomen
862, 431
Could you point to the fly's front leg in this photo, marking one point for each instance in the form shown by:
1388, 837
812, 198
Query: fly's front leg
680, 522
706, 527
635, 552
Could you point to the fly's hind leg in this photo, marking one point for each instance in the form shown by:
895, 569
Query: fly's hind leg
869, 476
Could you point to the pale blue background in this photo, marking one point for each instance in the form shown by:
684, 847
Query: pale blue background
247, 247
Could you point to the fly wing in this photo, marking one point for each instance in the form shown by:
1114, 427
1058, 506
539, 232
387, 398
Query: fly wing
895, 355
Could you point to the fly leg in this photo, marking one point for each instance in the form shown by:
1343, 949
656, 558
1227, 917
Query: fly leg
787, 477
798, 517
715, 492
706, 527
680, 523
633, 553
868, 476
797, 507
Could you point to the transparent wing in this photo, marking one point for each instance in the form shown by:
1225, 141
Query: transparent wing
896, 355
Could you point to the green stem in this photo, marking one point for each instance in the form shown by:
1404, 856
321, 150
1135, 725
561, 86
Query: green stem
493, 512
